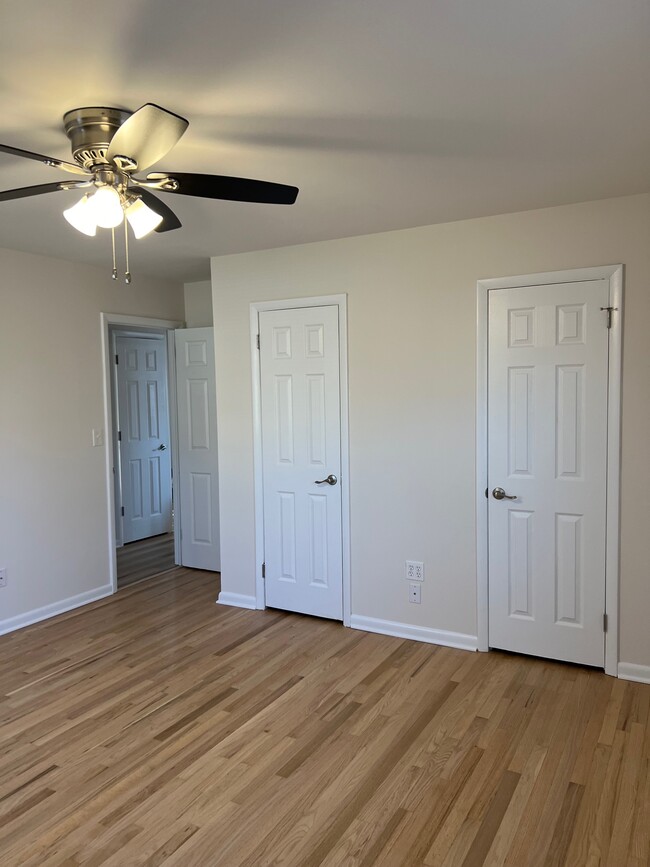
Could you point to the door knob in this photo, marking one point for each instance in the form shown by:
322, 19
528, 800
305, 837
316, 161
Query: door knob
330, 480
500, 494
161, 448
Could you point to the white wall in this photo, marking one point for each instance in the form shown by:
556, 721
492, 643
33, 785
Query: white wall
198, 304
412, 355
53, 507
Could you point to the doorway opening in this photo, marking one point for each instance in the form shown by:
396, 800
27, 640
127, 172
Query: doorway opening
139, 557
142, 452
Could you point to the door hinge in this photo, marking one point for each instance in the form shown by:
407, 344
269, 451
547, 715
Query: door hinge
117, 359
604, 623
609, 311
258, 341
122, 511
119, 436
263, 570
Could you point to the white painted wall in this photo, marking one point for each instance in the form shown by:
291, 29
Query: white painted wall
412, 395
198, 304
53, 536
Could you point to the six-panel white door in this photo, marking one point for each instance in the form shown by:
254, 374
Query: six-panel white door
145, 464
198, 484
301, 444
547, 447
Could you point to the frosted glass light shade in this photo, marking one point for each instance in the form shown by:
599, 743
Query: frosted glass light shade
107, 208
81, 217
142, 218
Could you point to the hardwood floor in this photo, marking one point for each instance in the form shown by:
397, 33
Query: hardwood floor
156, 727
144, 559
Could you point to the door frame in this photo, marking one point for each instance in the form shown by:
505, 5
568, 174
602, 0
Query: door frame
614, 275
257, 307
107, 320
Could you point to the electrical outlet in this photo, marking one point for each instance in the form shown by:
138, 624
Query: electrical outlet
414, 570
414, 593
3, 577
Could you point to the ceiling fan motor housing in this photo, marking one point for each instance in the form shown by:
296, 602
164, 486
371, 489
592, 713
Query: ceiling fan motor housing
90, 131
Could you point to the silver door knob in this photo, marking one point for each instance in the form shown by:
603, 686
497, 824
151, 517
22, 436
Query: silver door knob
161, 448
500, 494
330, 480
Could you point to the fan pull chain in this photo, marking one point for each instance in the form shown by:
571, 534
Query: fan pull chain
127, 273
114, 274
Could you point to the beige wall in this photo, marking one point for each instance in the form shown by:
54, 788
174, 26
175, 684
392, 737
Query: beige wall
198, 304
53, 512
412, 387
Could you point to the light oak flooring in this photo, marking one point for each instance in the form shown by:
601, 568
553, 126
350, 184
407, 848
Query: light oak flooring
143, 559
158, 728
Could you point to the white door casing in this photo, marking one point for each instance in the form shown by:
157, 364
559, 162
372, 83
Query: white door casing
547, 444
144, 437
198, 483
301, 446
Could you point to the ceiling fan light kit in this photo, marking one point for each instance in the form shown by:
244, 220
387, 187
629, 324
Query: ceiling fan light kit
109, 145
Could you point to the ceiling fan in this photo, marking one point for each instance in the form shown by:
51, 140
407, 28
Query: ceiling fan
109, 146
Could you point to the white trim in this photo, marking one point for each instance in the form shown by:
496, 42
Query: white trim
172, 398
632, 671
107, 320
613, 529
613, 274
459, 640
47, 611
237, 600
481, 470
341, 301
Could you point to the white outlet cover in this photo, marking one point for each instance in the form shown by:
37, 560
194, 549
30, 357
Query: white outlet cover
3, 577
415, 593
414, 570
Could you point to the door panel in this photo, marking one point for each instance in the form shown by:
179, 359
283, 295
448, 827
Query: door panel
547, 441
197, 448
145, 468
301, 444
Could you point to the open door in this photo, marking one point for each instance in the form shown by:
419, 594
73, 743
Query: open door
198, 482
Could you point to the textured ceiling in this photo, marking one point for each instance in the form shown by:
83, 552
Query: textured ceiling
386, 114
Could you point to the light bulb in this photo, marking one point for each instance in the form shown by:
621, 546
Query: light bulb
81, 216
107, 208
142, 218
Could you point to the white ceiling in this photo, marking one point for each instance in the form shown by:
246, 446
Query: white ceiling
386, 113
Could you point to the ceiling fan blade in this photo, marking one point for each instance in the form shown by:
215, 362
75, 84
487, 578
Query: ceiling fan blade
41, 158
149, 134
24, 192
170, 220
233, 189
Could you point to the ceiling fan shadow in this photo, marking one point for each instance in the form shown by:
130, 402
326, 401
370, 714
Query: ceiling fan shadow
408, 136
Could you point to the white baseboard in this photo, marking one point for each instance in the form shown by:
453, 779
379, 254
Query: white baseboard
417, 633
47, 611
236, 600
632, 671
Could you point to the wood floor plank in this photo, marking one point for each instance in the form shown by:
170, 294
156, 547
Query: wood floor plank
157, 728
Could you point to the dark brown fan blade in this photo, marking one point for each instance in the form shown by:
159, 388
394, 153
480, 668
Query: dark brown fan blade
170, 220
40, 158
24, 192
233, 189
